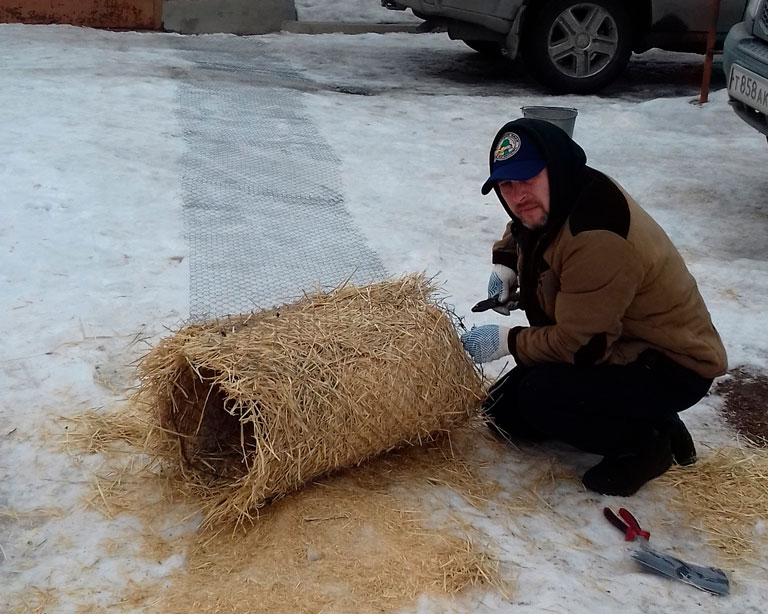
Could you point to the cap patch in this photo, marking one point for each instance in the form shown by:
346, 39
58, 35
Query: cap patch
508, 146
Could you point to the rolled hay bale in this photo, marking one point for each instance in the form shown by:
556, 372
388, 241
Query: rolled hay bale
258, 404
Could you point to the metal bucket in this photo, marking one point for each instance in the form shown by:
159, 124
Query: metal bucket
562, 117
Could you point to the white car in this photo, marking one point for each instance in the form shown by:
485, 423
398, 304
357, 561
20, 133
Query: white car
745, 61
575, 45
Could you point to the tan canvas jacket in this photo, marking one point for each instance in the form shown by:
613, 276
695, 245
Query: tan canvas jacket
610, 297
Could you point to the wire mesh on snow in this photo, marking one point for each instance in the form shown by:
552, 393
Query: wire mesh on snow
258, 404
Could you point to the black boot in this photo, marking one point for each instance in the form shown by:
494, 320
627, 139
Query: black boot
683, 450
624, 474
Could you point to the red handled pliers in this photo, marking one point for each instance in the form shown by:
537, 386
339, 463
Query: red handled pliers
626, 523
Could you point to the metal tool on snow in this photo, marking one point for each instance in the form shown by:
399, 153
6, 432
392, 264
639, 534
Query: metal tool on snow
709, 579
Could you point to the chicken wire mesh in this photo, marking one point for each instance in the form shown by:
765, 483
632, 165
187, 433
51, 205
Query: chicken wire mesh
262, 204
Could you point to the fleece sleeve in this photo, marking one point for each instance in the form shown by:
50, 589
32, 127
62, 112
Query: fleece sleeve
600, 276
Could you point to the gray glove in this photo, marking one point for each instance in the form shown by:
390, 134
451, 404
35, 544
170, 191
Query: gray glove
502, 284
486, 343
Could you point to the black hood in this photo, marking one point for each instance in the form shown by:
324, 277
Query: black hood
565, 162
567, 169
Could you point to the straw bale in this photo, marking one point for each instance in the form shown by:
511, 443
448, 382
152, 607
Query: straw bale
725, 495
258, 404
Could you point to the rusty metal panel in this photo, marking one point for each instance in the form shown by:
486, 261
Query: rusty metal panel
26, 11
118, 14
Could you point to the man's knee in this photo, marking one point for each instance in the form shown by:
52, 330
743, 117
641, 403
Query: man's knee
533, 387
501, 396
547, 388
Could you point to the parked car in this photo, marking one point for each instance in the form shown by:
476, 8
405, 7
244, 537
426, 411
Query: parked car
745, 61
576, 46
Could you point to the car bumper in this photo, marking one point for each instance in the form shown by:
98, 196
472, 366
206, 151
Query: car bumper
746, 51
468, 12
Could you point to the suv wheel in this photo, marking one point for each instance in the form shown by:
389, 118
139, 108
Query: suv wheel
578, 46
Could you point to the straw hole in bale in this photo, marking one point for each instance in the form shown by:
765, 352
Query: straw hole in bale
211, 438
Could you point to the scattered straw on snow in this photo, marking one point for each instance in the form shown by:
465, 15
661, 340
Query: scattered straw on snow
725, 495
96, 433
355, 541
36, 601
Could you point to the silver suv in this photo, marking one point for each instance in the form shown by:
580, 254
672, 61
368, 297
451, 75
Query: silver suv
745, 61
576, 46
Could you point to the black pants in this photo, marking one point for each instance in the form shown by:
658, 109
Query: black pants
605, 409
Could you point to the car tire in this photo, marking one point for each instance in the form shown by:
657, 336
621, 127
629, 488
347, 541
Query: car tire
578, 46
488, 49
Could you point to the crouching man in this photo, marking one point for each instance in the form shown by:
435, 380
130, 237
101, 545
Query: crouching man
619, 340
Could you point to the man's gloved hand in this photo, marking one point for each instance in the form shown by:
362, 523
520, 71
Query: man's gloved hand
486, 343
502, 283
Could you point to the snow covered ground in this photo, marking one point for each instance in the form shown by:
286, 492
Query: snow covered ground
94, 259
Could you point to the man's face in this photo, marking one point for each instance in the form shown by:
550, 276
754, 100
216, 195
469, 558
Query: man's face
528, 200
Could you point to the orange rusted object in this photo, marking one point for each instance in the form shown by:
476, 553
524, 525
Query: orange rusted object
708, 57
117, 14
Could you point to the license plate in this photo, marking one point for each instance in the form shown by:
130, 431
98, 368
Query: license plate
748, 87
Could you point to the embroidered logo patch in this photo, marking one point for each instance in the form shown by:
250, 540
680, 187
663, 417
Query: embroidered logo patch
507, 147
